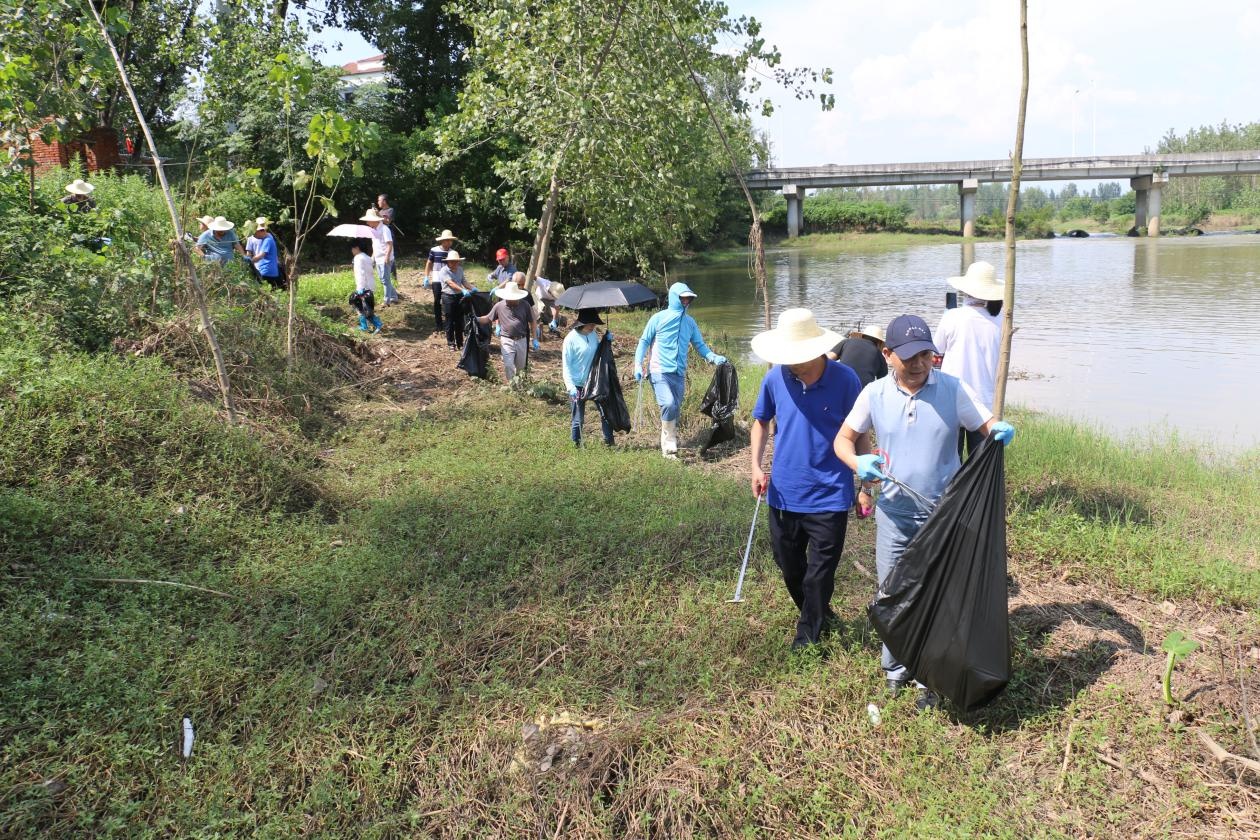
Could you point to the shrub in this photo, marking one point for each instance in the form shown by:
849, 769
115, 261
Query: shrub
825, 214
83, 275
78, 420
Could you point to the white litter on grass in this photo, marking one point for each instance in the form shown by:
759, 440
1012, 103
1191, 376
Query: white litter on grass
188, 737
872, 712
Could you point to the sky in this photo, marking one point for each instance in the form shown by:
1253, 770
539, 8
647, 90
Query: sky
924, 80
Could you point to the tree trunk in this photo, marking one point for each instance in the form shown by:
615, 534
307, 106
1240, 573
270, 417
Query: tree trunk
207, 325
1012, 198
30, 171
757, 255
543, 237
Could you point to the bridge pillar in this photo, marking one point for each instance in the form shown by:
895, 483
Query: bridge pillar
1149, 197
967, 205
795, 201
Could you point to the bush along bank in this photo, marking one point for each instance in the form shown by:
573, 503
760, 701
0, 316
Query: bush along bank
437, 617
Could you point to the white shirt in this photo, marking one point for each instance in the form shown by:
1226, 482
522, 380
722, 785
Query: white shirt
970, 340
381, 237
364, 274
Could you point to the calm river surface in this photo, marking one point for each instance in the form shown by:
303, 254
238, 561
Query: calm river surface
1135, 335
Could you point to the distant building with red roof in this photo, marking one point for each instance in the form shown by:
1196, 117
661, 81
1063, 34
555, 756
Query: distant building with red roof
365, 71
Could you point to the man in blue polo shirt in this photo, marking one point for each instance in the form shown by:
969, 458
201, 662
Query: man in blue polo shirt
809, 490
266, 258
916, 412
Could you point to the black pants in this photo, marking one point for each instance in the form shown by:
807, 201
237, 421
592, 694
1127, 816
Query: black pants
437, 306
807, 548
972, 441
453, 314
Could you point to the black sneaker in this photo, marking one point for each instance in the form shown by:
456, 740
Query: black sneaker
927, 699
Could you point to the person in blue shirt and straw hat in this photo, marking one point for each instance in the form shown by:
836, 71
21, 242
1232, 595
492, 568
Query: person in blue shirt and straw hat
664, 345
809, 490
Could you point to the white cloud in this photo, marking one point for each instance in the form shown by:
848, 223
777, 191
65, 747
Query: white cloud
921, 80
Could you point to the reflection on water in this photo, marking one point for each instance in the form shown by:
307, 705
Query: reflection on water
1130, 333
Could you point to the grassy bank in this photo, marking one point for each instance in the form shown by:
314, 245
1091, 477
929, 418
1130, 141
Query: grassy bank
408, 589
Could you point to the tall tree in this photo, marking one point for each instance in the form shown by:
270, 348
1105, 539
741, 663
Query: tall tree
53, 66
597, 118
1017, 165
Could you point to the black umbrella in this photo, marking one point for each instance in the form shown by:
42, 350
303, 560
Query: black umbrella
605, 294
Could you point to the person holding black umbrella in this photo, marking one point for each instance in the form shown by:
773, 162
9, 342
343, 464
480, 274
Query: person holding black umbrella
577, 355
666, 341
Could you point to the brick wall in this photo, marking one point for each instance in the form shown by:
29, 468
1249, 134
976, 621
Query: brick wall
97, 149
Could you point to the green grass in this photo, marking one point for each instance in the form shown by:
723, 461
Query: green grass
452, 574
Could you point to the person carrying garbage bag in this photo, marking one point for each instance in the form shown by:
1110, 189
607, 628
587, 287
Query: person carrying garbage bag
915, 412
666, 341
577, 356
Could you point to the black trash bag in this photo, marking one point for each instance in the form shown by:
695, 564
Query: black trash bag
720, 402
476, 356
942, 610
604, 388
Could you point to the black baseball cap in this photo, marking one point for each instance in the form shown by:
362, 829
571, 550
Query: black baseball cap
908, 336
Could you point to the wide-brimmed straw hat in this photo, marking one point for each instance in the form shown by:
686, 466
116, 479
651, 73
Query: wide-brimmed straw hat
511, 292
453, 256
796, 340
980, 281
446, 234
262, 222
79, 187
205, 220
371, 216
220, 224
588, 318
874, 332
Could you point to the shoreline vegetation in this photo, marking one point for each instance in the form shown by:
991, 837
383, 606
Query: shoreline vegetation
442, 620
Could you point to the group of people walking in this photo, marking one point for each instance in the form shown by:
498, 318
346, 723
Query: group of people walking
828, 418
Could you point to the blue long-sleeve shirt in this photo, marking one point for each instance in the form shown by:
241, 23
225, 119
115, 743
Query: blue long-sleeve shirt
577, 354
669, 336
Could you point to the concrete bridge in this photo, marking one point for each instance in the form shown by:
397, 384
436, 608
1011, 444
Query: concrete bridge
1147, 175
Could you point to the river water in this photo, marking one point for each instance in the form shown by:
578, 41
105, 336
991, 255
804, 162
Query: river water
1133, 335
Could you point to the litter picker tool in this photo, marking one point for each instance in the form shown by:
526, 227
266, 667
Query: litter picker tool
638, 407
739, 586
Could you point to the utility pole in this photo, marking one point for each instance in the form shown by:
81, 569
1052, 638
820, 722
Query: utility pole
1093, 104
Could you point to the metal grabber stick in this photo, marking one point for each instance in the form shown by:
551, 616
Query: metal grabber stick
739, 586
638, 407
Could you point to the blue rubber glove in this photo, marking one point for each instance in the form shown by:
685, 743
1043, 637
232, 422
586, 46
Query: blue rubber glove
638, 375
497, 331
1003, 432
467, 293
534, 345
868, 467
573, 393
474, 288
609, 334
718, 360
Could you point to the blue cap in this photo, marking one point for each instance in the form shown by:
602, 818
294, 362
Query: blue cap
907, 336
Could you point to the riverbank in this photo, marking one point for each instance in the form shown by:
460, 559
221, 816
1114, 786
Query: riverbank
432, 616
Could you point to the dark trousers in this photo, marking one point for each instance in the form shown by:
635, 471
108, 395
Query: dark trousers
807, 547
437, 307
453, 313
972, 441
579, 416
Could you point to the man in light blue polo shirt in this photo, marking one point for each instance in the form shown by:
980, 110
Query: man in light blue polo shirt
809, 490
916, 413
